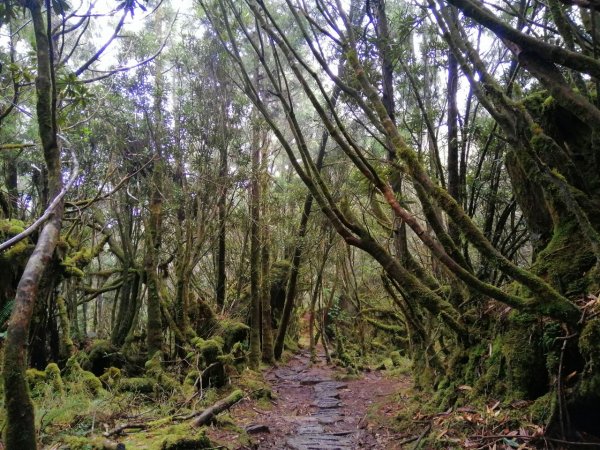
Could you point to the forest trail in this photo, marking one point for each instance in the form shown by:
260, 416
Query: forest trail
313, 410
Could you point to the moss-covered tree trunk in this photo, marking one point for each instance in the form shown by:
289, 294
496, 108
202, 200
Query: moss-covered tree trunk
265, 262
255, 248
20, 423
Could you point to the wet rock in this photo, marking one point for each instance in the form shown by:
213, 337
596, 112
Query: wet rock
254, 429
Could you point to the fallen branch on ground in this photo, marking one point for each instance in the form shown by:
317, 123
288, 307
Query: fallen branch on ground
125, 426
209, 414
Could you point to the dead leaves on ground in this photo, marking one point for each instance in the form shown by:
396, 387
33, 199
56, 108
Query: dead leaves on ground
490, 426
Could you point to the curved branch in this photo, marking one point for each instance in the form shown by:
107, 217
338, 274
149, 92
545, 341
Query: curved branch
49, 210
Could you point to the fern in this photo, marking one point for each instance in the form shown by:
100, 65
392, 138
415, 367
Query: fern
6, 311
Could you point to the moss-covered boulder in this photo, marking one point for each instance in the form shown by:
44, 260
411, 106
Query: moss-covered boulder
233, 332
211, 352
101, 355
111, 377
84, 378
47, 380
53, 377
163, 380
142, 385
182, 437
186, 443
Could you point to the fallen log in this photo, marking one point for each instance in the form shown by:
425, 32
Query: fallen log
125, 426
209, 414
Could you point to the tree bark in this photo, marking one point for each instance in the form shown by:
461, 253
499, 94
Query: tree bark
20, 420
255, 249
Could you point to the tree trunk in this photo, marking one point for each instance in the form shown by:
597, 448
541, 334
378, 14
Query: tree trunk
20, 421
454, 188
222, 207
255, 249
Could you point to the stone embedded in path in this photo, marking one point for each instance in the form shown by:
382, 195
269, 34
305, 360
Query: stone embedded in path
330, 385
320, 441
311, 428
328, 416
327, 403
312, 436
311, 381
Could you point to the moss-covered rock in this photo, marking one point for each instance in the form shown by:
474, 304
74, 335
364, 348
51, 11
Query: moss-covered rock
233, 332
111, 377
76, 375
163, 380
102, 355
54, 378
36, 379
186, 440
41, 380
211, 352
141, 385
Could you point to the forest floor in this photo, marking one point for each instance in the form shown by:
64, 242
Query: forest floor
315, 407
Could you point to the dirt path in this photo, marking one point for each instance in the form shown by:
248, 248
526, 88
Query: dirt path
314, 411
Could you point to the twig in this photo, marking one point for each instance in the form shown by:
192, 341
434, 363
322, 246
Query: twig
423, 434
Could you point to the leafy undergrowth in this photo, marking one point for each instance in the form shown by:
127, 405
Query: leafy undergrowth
73, 416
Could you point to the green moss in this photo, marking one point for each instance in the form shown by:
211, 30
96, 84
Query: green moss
164, 381
211, 354
589, 344
396, 358
11, 227
233, 332
141, 385
542, 408
524, 356
35, 379
565, 262
83, 443
174, 442
70, 270
76, 375
189, 383
111, 377
209, 349
19, 252
40, 380
386, 327
254, 385
66, 343
101, 354
54, 378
